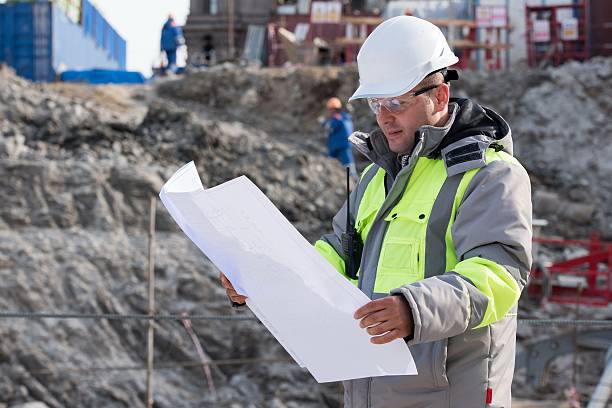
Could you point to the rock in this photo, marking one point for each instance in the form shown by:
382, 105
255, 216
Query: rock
553, 205
34, 404
11, 147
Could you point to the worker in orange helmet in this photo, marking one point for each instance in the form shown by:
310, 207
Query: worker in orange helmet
334, 103
338, 126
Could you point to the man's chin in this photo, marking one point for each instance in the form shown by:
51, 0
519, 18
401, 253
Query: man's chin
397, 148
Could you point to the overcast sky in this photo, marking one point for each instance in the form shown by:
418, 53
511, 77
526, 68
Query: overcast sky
139, 22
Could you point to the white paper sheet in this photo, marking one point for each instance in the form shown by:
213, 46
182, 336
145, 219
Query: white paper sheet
304, 302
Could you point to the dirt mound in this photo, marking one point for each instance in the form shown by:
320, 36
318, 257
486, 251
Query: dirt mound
76, 177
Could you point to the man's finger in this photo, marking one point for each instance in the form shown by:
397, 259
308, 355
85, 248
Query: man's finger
370, 307
229, 288
232, 293
374, 318
238, 299
225, 282
380, 328
386, 338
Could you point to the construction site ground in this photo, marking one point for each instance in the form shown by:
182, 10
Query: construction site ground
79, 165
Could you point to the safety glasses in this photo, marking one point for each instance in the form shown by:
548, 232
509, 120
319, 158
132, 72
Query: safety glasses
396, 105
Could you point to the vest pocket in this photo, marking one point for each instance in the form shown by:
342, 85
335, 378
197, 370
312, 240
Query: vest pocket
398, 264
401, 255
402, 252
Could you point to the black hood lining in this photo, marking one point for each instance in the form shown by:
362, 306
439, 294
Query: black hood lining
471, 119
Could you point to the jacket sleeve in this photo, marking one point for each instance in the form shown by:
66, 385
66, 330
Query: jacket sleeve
330, 245
492, 240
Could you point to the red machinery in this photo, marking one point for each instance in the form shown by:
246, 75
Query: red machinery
586, 279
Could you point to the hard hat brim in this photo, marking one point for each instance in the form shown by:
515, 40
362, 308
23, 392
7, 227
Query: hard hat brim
378, 91
398, 88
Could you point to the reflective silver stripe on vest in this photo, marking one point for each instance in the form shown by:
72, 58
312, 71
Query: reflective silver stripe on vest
362, 187
376, 235
435, 243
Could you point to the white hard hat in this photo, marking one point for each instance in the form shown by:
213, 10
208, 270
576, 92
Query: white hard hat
398, 54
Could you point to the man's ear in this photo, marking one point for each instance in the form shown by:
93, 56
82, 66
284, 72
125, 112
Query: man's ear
441, 97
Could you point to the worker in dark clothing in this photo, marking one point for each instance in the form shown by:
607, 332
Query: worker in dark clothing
171, 39
339, 126
208, 51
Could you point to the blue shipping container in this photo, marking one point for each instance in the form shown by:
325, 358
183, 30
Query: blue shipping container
104, 35
39, 40
25, 39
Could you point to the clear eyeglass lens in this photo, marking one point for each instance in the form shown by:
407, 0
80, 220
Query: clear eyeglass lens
374, 105
394, 105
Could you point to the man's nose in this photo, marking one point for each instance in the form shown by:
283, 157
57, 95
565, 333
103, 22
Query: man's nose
385, 116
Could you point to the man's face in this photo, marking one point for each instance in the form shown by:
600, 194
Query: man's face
399, 128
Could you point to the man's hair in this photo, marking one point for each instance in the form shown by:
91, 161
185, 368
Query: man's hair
432, 79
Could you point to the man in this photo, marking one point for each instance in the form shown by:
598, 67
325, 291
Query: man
208, 50
444, 214
171, 39
339, 125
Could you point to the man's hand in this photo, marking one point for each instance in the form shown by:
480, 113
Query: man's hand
231, 292
386, 319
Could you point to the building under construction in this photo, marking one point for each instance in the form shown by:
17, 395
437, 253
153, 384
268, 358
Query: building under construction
219, 27
487, 34
233, 27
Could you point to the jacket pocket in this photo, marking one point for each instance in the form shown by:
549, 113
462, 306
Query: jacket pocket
402, 251
427, 389
439, 358
398, 264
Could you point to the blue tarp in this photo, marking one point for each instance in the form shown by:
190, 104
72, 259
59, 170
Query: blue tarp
103, 76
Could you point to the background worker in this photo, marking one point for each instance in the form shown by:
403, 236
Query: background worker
171, 39
338, 126
444, 214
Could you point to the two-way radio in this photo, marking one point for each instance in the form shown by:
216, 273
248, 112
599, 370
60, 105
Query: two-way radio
351, 240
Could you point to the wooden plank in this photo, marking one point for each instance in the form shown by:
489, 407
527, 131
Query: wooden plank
361, 20
445, 22
348, 41
474, 45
